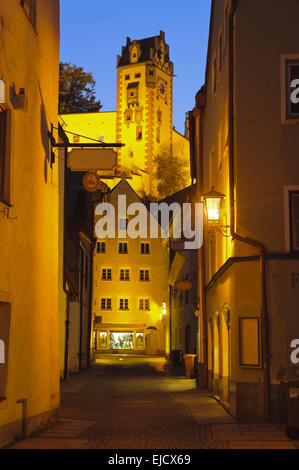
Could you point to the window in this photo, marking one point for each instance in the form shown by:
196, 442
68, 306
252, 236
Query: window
30, 10
123, 304
127, 77
101, 247
123, 248
290, 88
106, 304
103, 339
128, 115
138, 115
144, 304
124, 275
4, 162
144, 275
122, 224
121, 340
139, 340
132, 94
137, 75
294, 219
106, 274
158, 135
145, 248
138, 133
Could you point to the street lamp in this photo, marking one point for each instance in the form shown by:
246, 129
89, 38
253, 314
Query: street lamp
164, 311
212, 205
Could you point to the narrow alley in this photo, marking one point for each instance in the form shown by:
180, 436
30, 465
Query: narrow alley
135, 402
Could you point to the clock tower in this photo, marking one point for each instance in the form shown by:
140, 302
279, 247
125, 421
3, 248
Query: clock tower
144, 108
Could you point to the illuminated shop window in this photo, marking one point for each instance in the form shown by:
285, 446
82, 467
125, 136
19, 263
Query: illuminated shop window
103, 339
121, 340
139, 340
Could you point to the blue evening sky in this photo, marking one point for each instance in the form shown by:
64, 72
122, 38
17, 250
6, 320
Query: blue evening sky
93, 31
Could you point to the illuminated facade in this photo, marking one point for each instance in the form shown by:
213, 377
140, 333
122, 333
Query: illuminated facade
245, 146
30, 262
129, 291
143, 117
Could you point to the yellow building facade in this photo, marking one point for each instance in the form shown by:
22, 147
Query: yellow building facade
248, 153
30, 263
130, 289
143, 117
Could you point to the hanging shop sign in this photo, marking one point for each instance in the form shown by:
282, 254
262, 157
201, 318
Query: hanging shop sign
82, 159
91, 181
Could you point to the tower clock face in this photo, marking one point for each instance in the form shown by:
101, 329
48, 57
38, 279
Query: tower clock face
162, 88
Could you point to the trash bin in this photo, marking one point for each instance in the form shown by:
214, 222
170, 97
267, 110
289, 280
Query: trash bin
189, 365
292, 396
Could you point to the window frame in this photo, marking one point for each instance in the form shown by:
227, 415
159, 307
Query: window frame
101, 245
145, 252
106, 303
126, 274
284, 59
144, 271
125, 301
106, 277
122, 252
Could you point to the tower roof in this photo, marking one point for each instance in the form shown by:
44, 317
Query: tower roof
148, 49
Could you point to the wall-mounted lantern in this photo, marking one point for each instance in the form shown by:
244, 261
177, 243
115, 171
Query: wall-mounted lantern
212, 205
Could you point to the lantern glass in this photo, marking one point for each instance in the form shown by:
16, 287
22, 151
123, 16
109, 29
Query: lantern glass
213, 205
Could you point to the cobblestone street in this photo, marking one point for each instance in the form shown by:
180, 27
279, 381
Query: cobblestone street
128, 402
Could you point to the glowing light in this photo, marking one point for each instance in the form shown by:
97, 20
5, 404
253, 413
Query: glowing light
212, 203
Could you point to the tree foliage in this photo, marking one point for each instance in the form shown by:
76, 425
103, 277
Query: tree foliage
76, 90
171, 174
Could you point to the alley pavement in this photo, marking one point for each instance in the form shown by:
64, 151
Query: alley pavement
135, 402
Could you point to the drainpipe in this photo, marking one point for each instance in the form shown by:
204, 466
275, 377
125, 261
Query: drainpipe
81, 270
236, 236
204, 374
67, 321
